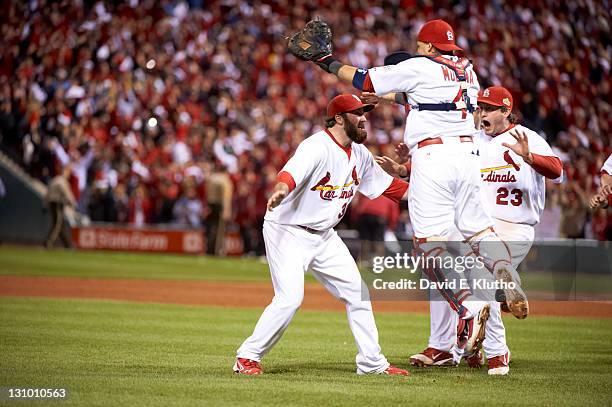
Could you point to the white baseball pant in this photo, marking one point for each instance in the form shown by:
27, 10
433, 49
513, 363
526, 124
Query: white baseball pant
445, 191
445, 197
291, 251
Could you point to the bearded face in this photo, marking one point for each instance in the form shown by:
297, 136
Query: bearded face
355, 128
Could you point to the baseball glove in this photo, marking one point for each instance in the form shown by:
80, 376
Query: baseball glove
313, 42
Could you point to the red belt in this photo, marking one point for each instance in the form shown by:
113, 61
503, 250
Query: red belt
438, 140
311, 230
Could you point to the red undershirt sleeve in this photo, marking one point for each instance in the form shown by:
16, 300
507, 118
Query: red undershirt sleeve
408, 167
396, 190
393, 216
550, 167
286, 178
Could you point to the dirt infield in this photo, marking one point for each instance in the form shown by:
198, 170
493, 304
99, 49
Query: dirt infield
249, 295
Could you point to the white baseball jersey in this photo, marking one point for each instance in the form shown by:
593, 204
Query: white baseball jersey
327, 176
426, 81
514, 191
607, 167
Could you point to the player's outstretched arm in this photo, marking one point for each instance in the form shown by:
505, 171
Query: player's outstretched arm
280, 192
549, 166
391, 167
373, 99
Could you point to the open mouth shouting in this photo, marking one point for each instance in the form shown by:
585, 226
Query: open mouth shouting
486, 126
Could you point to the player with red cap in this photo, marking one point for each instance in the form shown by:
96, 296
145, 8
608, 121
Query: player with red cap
439, 34
515, 161
441, 89
313, 192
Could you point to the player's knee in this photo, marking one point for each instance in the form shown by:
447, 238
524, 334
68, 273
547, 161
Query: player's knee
487, 234
288, 302
354, 305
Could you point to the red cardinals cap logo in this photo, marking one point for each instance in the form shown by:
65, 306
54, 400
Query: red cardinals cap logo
440, 34
497, 96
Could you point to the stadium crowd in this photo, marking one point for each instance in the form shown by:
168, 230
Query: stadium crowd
183, 112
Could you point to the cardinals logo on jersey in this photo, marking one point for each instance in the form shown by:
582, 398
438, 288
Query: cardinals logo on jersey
493, 176
508, 177
326, 191
508, 159
322, 182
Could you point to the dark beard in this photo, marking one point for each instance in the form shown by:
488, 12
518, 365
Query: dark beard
353, 132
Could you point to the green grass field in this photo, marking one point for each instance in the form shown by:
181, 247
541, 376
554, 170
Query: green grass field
121, 353
40, 262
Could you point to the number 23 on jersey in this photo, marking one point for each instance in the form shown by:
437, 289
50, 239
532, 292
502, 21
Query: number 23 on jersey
509, 197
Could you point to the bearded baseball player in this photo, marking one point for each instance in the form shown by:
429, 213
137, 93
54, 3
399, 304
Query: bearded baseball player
514, 164
313, 192
441, 90
603, 197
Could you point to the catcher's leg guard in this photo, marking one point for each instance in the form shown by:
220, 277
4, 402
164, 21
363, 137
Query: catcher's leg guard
497, 257
450, 283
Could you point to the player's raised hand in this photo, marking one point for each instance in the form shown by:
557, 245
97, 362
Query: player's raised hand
521, 147
370, 98
391, 167
280, 192
402, 152
597, 201
600, 199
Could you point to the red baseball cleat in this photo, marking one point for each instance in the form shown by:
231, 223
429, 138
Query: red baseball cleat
395, 371
247, 367
471, 332
475, 360
499, 365
432, 357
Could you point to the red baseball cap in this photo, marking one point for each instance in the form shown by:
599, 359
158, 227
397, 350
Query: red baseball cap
440, 34
346, 103
497, 96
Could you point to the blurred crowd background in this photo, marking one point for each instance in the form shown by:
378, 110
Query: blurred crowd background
183, 112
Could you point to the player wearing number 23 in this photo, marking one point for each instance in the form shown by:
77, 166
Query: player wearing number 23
514, 164
517, 161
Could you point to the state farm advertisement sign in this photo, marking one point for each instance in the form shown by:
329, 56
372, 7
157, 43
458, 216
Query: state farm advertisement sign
138, 240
